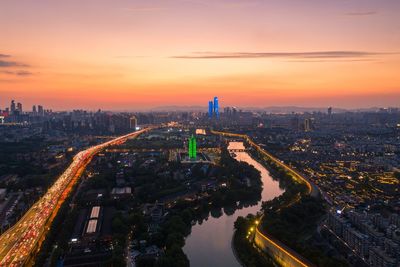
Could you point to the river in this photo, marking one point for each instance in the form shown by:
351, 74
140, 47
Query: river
209, 243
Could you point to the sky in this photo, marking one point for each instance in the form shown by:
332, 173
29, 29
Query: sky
129, 54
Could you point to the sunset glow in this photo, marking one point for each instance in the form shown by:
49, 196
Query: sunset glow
129, 55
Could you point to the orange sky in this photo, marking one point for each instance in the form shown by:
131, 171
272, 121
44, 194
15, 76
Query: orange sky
138, 54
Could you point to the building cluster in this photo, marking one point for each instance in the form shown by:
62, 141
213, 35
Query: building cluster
354, 159
373, 237
15, 114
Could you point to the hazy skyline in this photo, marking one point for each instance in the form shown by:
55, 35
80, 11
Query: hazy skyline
125, 55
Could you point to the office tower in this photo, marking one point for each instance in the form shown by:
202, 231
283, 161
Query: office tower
210, 109
330, 111
19, 107
133, 123
40, 110
34, 109
12, 107
216, 107
307, 125
192, 148
234, 111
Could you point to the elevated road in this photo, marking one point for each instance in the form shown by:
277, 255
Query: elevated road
20, 243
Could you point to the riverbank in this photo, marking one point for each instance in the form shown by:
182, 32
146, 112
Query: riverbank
215, 247
291, 219
208, 241
245, 252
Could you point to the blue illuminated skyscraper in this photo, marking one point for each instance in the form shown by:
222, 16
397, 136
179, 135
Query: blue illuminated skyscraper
210, 109
216, 107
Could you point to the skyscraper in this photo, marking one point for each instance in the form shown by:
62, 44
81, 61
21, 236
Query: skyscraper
216, 107
133, 123
12, 107
192, 148
330, 111
34, 109
40, 110
19, 107
307, 125
210, 109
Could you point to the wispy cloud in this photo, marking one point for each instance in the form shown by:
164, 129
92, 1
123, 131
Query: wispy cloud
17, 73
362, 13
290, 55
334, 60
9, 67
6, 63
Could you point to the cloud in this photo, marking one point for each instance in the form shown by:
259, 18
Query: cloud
290, 55
362, 13
17, 73
335, 60
5, 63
9, 68
23, 73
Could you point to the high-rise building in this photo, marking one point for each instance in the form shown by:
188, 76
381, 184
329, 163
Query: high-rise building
12, 107
132, 122
307, 125
330, 111
19, 107
210, 109
34, 109
40, 110
216, 107
192, 148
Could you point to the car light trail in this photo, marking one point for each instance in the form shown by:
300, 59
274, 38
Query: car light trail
20, 243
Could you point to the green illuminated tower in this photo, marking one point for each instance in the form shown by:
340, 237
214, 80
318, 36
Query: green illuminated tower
192, 148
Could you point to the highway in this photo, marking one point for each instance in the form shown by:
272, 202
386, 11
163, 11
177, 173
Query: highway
20, 243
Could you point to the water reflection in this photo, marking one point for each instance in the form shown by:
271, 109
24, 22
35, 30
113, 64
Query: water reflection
209, 243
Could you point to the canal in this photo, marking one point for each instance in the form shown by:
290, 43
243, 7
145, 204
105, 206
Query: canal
209, 243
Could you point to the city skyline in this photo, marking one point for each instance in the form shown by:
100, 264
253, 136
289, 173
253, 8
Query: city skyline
136, 55
8, 108
179, 133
